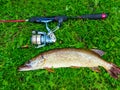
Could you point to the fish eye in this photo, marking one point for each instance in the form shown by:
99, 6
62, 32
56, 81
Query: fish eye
42, 57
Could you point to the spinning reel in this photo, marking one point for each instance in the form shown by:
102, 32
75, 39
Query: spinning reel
40, 39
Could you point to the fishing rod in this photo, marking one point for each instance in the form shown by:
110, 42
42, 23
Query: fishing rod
42, 38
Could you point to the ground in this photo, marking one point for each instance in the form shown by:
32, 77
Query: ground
88, 34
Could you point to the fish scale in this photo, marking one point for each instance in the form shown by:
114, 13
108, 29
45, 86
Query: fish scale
70, 58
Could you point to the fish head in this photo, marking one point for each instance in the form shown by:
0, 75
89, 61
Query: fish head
35, 63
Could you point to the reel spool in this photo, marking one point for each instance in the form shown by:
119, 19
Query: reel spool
38, 38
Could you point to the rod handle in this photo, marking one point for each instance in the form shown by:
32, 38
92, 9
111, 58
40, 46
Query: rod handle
94, 16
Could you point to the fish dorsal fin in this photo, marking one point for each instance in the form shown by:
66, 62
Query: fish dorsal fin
99, 52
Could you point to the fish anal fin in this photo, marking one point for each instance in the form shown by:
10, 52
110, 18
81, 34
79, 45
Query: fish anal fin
96, 69
75, 67
99, 52
49, 69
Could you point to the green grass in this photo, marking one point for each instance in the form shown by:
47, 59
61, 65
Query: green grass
100, 34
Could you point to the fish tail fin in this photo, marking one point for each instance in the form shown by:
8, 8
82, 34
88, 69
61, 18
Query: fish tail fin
114, 71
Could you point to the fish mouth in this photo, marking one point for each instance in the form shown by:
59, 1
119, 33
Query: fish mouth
24, 68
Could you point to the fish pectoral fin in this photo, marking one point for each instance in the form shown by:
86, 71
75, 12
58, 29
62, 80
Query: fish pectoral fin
75, 67
96, 69
49, 69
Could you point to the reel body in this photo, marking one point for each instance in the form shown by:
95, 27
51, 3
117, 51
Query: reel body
42, 38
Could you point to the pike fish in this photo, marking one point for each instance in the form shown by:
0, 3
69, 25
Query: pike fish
71, 57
